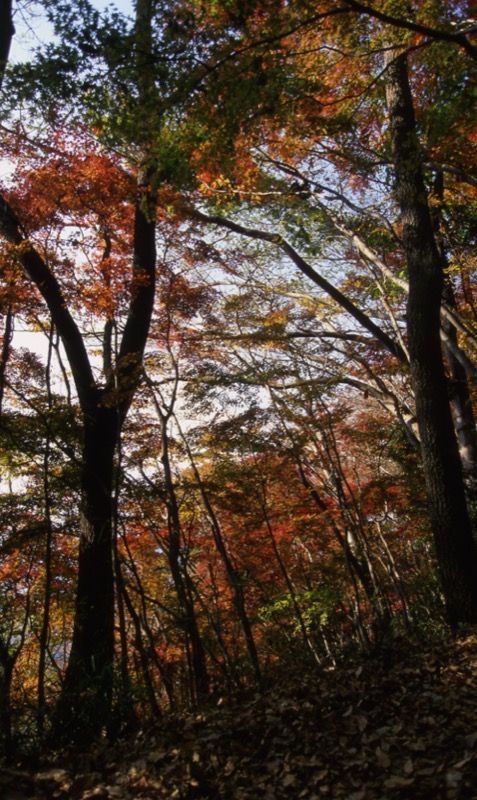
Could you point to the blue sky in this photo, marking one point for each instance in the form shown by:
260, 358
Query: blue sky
32, 27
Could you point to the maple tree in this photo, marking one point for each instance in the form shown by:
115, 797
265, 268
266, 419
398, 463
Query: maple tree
104, 405
349, 158
225, 456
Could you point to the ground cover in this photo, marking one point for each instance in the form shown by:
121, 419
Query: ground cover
400, 722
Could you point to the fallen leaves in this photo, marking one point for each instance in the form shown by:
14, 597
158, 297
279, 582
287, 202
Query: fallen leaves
399, 725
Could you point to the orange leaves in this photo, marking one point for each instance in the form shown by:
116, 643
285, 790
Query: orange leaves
76, 202
74, 185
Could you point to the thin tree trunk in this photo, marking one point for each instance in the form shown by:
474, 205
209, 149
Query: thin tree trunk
5, 353
233, 576
45, 626
180, 575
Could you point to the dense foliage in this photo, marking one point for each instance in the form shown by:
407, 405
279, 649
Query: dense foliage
237, 375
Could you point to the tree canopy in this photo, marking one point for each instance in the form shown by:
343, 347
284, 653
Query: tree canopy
244, 234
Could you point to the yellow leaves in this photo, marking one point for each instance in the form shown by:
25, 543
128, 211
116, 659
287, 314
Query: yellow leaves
278, 317
16, 251
220, 184
241, 180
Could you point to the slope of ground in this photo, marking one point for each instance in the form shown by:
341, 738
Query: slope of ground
401, 723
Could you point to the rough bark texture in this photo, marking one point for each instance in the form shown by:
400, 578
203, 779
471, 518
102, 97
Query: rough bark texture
444, 482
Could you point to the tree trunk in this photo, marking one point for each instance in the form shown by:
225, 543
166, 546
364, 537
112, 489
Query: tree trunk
7, 664
459, 393
87, 690
450, 523
7, 31
233, 576
464, 420
180, 576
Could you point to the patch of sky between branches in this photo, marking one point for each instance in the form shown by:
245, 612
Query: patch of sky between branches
33, 29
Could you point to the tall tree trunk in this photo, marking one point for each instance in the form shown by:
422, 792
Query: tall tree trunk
7, 31
87, 690
44, 633
450, 523
461, 401
459, 392
85, 700
233, 575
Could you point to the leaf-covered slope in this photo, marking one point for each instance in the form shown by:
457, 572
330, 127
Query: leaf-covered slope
400, 723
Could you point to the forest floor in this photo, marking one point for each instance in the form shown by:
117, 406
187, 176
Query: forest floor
400, 723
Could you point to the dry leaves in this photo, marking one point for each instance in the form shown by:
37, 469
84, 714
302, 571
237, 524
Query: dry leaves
401, 724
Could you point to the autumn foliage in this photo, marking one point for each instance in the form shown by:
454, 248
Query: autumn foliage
206, 259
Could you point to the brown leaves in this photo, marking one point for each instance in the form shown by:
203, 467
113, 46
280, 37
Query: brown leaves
401, 725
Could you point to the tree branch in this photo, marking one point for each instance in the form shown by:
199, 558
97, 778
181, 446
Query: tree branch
36, 269
459, 37
386, 341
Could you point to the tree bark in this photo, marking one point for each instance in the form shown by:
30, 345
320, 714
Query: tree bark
449, 517
87, 690
86, 697
7, 32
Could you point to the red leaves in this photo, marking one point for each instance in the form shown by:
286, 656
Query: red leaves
76, 204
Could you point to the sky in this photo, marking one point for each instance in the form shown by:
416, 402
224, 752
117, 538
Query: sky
33, 29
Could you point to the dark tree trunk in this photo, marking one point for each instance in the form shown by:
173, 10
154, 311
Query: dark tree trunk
6, 34
86, 697
7, 664
233, 576
461, 401
459, 393
180, 576
85, 700
450, 523
87, 690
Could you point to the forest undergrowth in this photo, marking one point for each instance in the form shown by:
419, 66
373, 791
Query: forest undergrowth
397, 722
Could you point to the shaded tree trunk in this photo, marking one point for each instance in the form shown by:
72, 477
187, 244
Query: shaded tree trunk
90, 666
7, 664
459, 394
450, 523
7, 31
233, 575
182, 581
464, 419
87, 690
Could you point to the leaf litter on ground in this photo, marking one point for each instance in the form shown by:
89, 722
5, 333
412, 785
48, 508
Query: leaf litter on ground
400, 722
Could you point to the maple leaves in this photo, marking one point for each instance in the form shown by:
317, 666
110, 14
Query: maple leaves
264, 503
79, 202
